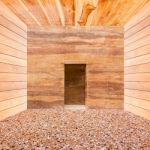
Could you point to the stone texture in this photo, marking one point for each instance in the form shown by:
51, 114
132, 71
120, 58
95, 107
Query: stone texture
100, 48
59, 129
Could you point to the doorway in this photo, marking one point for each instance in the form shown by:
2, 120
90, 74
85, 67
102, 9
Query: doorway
75, 84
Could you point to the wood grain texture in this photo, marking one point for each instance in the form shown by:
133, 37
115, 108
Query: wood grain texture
68, 12
137, 64
13, 64
100, 48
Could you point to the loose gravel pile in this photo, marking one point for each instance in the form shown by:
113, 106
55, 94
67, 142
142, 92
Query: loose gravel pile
59, 129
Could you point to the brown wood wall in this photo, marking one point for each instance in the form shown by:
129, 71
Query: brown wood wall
101, 48
13, 64
137, 64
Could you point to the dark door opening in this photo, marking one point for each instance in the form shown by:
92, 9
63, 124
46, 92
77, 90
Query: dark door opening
75, 84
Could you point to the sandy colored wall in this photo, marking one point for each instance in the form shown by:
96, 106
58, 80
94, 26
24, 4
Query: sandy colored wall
101, 48
13, 64
137, 64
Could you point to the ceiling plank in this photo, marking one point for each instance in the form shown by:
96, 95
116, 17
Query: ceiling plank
68, 12
44, 11
60, 11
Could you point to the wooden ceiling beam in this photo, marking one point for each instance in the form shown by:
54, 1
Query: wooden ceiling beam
44, 11
26, 8
60, 11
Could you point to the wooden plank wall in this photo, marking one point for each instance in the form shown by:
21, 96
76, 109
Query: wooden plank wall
13, 64
137, 64
101, 48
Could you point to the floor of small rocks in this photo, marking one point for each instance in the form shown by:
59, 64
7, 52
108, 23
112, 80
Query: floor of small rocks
59, 129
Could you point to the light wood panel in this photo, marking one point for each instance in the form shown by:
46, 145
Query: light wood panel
101, 48
70, 12
137, 64
13, 64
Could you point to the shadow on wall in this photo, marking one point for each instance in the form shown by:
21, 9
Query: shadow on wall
42, 104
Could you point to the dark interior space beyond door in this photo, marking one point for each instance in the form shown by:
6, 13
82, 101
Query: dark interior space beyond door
75, 84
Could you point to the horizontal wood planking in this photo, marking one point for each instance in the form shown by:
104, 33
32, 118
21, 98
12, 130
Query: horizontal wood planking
137, 36
137, 64
137, 102
141, 86
138, 27
100, 48
137, 77
12, 102
13, 111
137, 110
12, 27
137, 52
12, 52
10, 68
5, 95
141, 68
138, 60
13, 77
145, 95
12, 60
13, 64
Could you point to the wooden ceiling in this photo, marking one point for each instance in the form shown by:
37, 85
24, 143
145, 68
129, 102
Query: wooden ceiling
75, 12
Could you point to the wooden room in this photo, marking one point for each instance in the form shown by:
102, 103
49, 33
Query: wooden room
75, 74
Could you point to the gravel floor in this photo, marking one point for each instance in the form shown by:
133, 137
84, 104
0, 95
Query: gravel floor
59, 129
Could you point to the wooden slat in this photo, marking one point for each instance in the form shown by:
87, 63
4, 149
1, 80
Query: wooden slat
137, 69
145, 95
12, 60
137, 60
139, 43
12, 94
10, 16
12, 35
13, 77
5, 68
12, 43
138, 17
7, 104
137, 52
138, 27
17, 109
138, 111
142, 86
137, 36
137, 77
137, 102
4, 49
9, 25
8, 86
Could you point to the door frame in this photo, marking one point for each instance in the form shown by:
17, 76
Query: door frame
77, 63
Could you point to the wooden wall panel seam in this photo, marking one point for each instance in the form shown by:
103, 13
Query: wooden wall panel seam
13, 31
13, 107
12, 39
1, 43
126, 31
12, 56
135, 48
137, 98
13, 22
137, 106
12, 64
136, 56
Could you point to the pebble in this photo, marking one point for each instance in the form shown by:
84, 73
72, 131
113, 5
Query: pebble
59, 129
